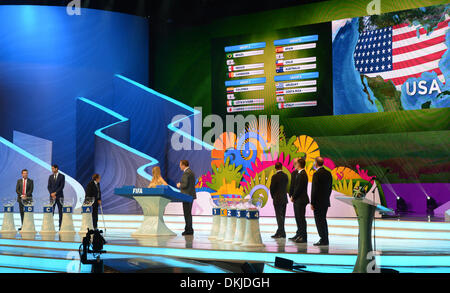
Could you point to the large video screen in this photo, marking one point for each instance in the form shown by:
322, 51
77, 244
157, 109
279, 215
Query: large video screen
379, 63
285, 72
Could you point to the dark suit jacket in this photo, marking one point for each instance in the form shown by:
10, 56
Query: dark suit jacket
56, 186
278, 188
187, 183
291, 188
92, 190
29, 189
301, 188
321, 188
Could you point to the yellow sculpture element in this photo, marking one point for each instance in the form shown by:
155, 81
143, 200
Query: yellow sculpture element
229, 188
345, 186
307, 145
341, 173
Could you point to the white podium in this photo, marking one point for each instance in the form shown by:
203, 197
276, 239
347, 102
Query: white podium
223, 224
231, 225
153, 202
241, 223
67, 221
215, 224
153, 208
28, 220
8, 225
252, 233
86, 216
48, 223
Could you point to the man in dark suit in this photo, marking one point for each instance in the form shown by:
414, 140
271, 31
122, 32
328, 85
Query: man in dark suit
55, 187
93, 191
24, 190
322, 184
292, 186
278, 190
187, 186
301, 200
293, 174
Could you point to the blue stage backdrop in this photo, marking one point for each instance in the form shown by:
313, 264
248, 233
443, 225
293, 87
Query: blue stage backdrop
72, 93
124, 138
48, 60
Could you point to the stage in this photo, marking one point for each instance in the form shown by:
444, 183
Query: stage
406, 246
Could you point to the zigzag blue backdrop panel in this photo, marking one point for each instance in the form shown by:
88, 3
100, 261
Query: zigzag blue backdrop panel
48, 59
72, 94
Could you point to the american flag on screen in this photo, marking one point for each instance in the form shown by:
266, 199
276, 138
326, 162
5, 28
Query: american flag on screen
401, 52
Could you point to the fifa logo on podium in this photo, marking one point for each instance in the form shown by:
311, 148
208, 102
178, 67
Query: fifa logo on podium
137, 191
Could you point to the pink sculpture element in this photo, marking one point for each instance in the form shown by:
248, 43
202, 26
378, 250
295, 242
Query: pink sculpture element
258, 166
364, 174
204, 179
329, 163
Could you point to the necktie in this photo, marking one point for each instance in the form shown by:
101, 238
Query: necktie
24, 186
55, 177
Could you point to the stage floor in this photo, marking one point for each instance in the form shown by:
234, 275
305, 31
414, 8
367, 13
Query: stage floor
408, 246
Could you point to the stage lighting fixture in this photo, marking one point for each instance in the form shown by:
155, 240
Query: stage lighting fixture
431, 205
252, 268
284, 263
402, 207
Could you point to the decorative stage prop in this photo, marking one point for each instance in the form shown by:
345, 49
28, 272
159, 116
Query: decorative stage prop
8, 225
48, 223
153, 202
243, 166
86, 216
28, 217
365, 210
67, 226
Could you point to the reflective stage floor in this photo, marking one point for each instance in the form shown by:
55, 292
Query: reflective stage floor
407, 246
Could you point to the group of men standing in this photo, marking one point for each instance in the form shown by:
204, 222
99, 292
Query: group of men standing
56, 183
55, 187
298, 192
